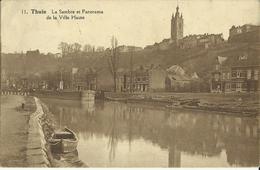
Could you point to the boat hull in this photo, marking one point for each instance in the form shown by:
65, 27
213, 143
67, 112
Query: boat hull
55, 146
68, 146
64, 145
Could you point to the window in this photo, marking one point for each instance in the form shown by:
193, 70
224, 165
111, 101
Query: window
243, 74
224, 76
240, 74
234, 74
248, 74
233, 85
256, 75
239, 85
217, 67
228, 86
216, 77
228, 76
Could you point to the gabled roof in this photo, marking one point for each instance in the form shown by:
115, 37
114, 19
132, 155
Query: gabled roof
175, 69
221, 59
242, 61
194, 76
176, 72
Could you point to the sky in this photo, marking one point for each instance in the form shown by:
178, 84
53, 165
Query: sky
133, 22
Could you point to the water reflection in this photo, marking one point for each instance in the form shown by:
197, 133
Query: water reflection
119, 134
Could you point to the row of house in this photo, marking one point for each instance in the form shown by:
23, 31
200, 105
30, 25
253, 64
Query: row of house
191, 41
153, 78
201, 40
141, 79
77, 79
236, 74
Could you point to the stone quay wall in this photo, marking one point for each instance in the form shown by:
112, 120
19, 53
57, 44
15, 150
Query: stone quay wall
36, 153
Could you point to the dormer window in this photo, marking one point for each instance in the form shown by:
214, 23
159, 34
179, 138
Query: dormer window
244, 57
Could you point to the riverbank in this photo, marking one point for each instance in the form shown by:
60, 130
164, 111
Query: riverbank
243, 104
24, 133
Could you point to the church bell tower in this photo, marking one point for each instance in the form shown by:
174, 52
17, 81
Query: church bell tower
176, 26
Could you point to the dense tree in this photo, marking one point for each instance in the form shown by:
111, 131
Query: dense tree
113, 59
88, 48
76, 47
64, 47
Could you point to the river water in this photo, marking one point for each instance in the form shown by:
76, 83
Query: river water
114, 134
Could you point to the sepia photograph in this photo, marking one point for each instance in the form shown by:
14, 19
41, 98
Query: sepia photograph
130, 83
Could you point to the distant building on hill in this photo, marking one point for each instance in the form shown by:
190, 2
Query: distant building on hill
33, 53
125, 48
190, 41
176, 26
163, 45
245, 33
201, 40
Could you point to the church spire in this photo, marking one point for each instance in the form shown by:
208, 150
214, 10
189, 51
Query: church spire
177, 8
177, 11
177, 25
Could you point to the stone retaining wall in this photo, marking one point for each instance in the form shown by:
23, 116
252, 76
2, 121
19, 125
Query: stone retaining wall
36, 153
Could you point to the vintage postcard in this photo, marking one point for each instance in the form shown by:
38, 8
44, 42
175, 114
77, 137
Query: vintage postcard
130, 83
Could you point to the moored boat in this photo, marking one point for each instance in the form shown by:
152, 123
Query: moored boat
64, 141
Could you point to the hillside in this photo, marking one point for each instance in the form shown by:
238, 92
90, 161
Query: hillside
192, 60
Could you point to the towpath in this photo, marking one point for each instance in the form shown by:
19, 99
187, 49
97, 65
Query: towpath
14, 130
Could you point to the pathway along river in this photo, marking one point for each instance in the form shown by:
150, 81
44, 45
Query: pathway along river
113, 134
